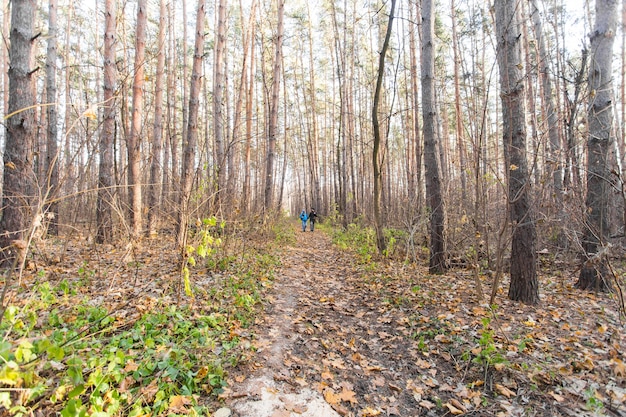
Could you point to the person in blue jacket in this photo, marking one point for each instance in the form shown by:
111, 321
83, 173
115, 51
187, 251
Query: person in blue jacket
304, 218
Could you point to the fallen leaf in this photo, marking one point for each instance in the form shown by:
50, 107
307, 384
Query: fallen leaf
348, 396
505, 391
427, 404
557, 397
370, 412
179, 403
453, 409
619, 369
331, 397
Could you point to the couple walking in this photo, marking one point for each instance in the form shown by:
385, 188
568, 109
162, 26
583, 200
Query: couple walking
311, 217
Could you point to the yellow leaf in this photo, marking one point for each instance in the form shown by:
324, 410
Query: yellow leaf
10, 165
202, 372
331, 397
90, 113
370, 412
513, 167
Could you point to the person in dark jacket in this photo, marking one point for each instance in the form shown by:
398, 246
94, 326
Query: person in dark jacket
312, 218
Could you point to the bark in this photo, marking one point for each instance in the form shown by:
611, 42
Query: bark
273, 116
157, 130
104, 216
594, 273
380, 237
460, 140
434, 196
524, 285
550, 115
189, 152
249, 114
218, 103
52, 156
20, 131
133, 142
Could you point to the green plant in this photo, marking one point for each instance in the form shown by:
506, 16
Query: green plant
487, 353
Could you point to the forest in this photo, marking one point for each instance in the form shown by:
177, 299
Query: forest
466, 160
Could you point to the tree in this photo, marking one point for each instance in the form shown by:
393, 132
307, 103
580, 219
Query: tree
104, 217
594, 272
380, 238
20, 131
157, 130
133, 141
52, 157
434, 196
189, 152
524, 285
274, 102
550, 115
218, 100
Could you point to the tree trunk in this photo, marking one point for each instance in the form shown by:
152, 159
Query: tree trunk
247, 189
104, 210
551, 115
594, 273
133, 142
434, 197
189, 152
380, 237
154, 186
274, 103
218, 103
20, 131
524, 285
52, 152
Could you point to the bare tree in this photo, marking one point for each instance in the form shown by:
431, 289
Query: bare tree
105, 173
594, 272
524, 285
274, 103
189, 152
133, 141
20, 130
434, 195
219, 79
380, 238
157, 130
52, 157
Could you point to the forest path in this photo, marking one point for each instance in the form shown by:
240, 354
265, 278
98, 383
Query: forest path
326, 347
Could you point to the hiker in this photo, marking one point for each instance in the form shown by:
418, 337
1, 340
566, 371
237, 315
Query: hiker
304, 218
312, 218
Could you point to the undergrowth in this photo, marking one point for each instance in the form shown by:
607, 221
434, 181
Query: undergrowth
65, 355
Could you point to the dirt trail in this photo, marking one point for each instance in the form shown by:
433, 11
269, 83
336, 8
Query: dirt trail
326, 346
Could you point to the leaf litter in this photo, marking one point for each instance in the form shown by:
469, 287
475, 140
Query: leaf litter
389, 339
339, 336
